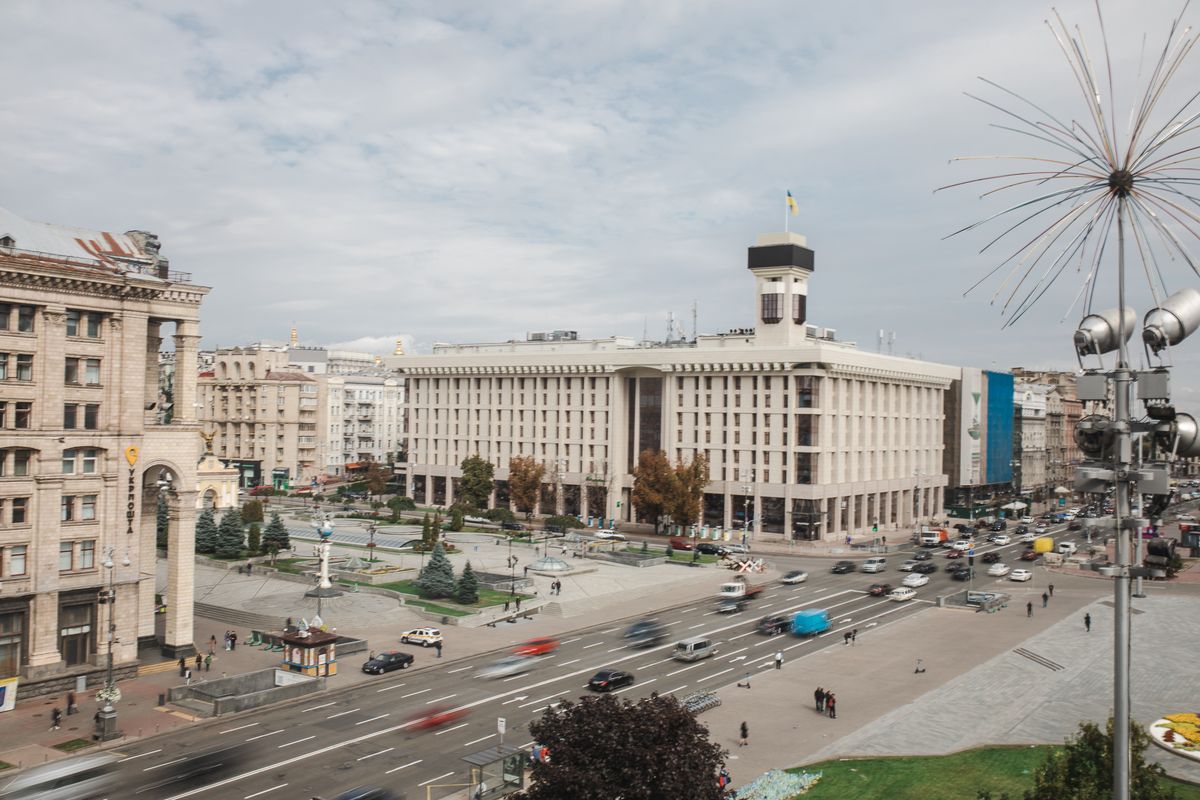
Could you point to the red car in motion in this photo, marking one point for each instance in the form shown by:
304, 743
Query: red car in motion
436, 717
537, 647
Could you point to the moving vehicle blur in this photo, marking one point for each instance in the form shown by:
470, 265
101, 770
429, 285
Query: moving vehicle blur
506, 667
72, 779
428, 719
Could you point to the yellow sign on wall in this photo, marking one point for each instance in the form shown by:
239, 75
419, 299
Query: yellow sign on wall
131, 455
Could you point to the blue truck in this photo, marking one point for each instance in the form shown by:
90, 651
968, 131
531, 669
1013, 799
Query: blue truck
810, 622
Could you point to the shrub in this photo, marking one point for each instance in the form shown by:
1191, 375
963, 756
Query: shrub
500, 515
565, 521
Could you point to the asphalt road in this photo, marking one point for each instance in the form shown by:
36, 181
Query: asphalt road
365, 736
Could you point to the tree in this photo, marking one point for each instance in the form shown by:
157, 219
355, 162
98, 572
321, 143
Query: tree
437, 578
206, 532
653, 485
1083, 769
230, 535
605, 747
525, 482
426, 531
275, 537
252, 511
687, 490
398, 504
467, 591
456, 519
162, 522
254, 539
376, 479
475, 487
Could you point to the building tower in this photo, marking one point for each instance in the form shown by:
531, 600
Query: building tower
781, 263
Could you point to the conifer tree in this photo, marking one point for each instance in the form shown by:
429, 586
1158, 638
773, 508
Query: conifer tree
206, 532
467, 592
230, 535
437, 578
275, 537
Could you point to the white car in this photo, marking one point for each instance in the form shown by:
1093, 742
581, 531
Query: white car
426, 637
914, 580
609, 533
1185, 517
1020, 575
999, 570
1032, 536
1001, 539
795, 576
907, 566
507, 666
1041, 528
962, 545
1027, 520
477, 520
900, 594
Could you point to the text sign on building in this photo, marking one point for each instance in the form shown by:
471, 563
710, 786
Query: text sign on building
131, 455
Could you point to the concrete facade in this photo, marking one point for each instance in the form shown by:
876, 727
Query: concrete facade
87, 450
808, 436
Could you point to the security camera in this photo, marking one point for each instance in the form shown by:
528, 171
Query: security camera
1098, 333
1173, 321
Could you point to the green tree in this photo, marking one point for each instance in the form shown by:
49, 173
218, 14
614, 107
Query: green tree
525, 482
629, 763
426, 531
206, 532
653, 486
687, 490
162, 522
475, 487
456, 519
437, 577
275, 537
377, 478
254, 539
467, 591
1083, 769
230, 536
398, 504
252, 511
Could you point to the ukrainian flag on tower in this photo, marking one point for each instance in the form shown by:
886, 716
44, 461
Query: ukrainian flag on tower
791, 204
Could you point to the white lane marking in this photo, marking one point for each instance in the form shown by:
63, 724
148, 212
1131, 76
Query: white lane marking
686, 610
653, 663
240, 728
610, 630
165, 764
372, 755
414, 694
543, 699
672, 622
565, 663
452, 671
677, 688
742, 635
404, 766
685, 669
264, 735
440, 699
438, 778
769, 596
342, 713
394, 686
314, 708
593, 644
709, 614
735, 652
141, 755
699, 625
764, 608
480, 739
516, 699
618, 647
574, 639
372, 719
298, 741
264, 791
635, 686
448, 730
714, 675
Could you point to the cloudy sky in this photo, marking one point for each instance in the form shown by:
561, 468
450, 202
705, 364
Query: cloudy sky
471, 171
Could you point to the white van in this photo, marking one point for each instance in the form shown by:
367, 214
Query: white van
694, 649
876, 564
1067, 548
75, 779
901, 594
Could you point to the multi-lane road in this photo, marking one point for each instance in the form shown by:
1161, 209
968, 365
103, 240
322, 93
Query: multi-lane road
365, 736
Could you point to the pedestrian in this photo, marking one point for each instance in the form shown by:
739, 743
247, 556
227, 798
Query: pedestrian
226, 641
1029, 609
212, 644
199, 661
233, 640
187, 677
1045, 599
831, 705
56, 718
1087, 622
819, 696
518, 604
848, 540
182, 666
438, 646
506, 606
526, 570
723, 778
249, 567
854, 636
1051, 588
72, 706
208, 662
778, 659
846, 638
745, 732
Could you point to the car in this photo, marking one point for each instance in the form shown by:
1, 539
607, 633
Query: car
477, 520
907, 566
710, 549
1040, 529
1074, 525
924, 568
736, 549
842, 567
426, 637
1068, 517
795, 576
680, 543
1020, 575
507, 667
387, 661
954, 566
922, 555
1030, 555
773, 624
557, 529
730, 605
962, 545
1020, 529
429, 718
367, 793
964, 574
541, 646
914, 580
999, 570
1029, 537
1185, 517
901, 594
1026, 519
1001, 539
961, 528
608, 679
955, 553
879, 589
609, 533
645, 633
511, 526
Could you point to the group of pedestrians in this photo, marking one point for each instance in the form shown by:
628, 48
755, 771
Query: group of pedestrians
231, 638
1046, 595
826, 702
850, 637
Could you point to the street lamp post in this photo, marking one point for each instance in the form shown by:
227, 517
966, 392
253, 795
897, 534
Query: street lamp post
746, 490
371, 527
106, 721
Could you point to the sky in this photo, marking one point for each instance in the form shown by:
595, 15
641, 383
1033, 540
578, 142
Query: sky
463, 172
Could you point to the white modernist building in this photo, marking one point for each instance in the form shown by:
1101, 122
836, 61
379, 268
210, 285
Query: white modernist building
806, 436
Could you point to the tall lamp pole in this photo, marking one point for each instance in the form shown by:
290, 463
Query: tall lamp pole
106, 721
746, 490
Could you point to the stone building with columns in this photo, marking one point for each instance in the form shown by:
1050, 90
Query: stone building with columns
86, 451
806, 436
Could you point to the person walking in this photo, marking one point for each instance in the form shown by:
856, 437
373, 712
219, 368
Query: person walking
199, 661
227, 641
1029, 609
819, 696
831, 705
518, 604
854, 636
438, 646
182, 667
56, 719
72, 706
212, 644
846, 638
249, 567
506, 604
1051, 588
1045, 599
742, 742
1087, 622
208, 662
779, 659
233, 640
187, 677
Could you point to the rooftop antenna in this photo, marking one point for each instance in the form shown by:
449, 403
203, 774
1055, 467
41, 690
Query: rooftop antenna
645, 323
879, 342
695, 317
670, 326
891, 341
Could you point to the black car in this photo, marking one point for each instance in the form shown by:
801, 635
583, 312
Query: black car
922, 555
999, 525
964, 574
387, 661
608, 679
925, 567
879, 589
554, 529
842, 567
511, 526
709, 549
955, 565
773, 624
991, 558
961, 528
1021, 529
645, 633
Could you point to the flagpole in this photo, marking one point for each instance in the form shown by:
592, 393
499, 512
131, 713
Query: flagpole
787, 210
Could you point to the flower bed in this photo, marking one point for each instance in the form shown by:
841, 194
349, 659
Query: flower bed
1179, 733
778, 785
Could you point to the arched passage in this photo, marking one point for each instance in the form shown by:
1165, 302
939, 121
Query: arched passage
162, 478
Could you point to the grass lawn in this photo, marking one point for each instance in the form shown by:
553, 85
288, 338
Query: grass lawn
5, 765
487, 597
955, 777
71, 745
